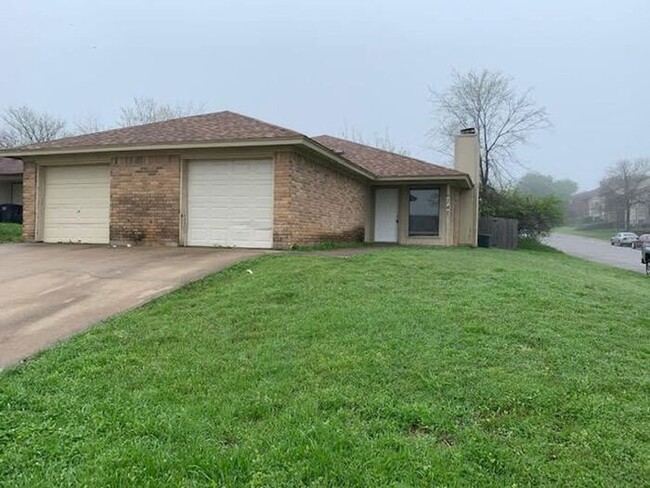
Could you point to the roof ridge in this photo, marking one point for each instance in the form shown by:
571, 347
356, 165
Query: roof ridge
259, 120
186, 123
127, 127
185, 117
385, 151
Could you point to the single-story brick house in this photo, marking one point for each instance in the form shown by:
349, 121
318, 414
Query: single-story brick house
11, 181
225, 179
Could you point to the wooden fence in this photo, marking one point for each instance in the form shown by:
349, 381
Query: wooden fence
503, 233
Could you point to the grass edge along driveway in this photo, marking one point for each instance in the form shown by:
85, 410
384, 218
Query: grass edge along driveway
403, 367
10, 232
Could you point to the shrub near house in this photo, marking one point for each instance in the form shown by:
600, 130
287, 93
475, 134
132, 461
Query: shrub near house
537, 216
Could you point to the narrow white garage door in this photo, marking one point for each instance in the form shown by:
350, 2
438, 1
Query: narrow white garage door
77, 204
230, 203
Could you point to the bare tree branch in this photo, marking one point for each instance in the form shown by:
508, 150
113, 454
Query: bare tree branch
383, 142
503, 118
88, 124
147, 110
24, 125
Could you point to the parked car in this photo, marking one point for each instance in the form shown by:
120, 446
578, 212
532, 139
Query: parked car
638, 244
624, 239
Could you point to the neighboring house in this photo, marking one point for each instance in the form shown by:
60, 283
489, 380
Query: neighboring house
225, 179
591, 207
640, 213
11, 181
588, 206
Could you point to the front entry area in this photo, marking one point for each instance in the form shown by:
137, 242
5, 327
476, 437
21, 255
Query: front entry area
386, 214
230, 203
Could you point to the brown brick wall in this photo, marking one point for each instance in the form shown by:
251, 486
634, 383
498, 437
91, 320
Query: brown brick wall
322, 204
313, 202
29, 201
282, 169
145, 199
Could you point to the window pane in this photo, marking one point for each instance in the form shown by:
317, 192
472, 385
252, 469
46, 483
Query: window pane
424, 210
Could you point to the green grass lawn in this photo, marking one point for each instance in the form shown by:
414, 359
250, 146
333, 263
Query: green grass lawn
603, 234
329, 246
10, 232
401, 367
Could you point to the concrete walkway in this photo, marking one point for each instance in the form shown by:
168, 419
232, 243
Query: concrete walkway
597, 250
49, 292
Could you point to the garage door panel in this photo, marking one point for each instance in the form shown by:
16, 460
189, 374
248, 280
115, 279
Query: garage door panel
230, 203
88, 234
77, 204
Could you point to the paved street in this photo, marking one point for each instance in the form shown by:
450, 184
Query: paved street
597, 250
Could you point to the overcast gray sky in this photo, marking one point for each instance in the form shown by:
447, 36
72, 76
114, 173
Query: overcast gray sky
317, 66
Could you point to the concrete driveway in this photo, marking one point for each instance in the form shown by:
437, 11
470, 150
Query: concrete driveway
597, 250
49, 292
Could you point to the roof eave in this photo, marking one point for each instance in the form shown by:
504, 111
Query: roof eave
330, 154
275, 141
266, 142
463, 179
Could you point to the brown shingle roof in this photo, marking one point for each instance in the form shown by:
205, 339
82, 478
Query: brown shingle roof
10, 166
219, 126
383, 163
229, 126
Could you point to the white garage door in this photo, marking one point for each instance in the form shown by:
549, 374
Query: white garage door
77, 204
230, 203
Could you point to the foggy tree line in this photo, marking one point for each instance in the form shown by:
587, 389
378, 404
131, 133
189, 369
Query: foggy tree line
24, 125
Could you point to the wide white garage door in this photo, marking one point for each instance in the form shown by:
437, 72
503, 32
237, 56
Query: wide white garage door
230, 203
77, 204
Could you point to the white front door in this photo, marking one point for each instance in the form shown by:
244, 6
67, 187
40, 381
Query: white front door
230, 203
386, 205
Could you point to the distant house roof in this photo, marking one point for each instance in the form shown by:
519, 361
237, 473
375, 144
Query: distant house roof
10, 166
585, 195
229, 128
383, 163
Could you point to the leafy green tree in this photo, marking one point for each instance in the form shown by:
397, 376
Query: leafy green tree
537, 215
540, 185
